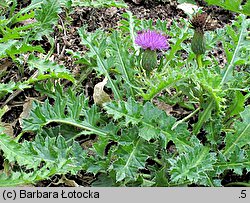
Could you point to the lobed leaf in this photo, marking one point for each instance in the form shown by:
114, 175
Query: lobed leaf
152, 122
66, 110
99, 3
238, 161
193, 165
47, 16
43, 156
46, 66
241, 136
234, 53
131, 159
232, 5
104, 64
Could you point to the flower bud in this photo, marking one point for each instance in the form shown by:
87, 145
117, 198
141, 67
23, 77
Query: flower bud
201, 22
149, 60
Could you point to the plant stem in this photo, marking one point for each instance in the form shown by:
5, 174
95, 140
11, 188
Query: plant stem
158, 161
210, 181
184, 119
83, 76
203, 117
76, 136
238, 184
183, 184
199, 60
82, 125
19, 137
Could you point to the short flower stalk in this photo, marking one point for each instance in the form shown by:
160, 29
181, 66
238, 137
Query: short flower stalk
150, 42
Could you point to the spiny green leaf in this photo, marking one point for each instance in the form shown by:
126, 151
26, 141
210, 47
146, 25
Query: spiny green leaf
99, 3
24, 48
66, 110
47, 16
192, 165
132, 157
91, 40
214, 129
162, 83
232, 5
14, 152
241, 136
238, 160
237, 104
151, 121
123, 60
20, 178
58, 158
6, 88
160, 178
50, 150
11, 86
237, 48
5, 47
246, 8
49, 89
24, 17
45, 66
183, 34
129, 26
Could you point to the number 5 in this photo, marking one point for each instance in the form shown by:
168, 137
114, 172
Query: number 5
243, 194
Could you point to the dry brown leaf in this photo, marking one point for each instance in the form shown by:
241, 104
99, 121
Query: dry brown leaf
66, 181
8, 128
99, 95
26, 110
4, 64
28, 21
163, 106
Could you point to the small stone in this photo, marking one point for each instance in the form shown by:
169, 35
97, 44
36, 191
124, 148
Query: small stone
111, 11
137, 1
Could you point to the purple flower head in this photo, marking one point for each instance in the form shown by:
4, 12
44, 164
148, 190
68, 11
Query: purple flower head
151, 40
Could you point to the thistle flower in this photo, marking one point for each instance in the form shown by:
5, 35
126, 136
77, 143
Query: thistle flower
150, 41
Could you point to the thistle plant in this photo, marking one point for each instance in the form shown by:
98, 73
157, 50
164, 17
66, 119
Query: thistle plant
150, 41
200, 23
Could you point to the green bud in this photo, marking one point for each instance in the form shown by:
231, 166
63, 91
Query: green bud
198, 44
149, 60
